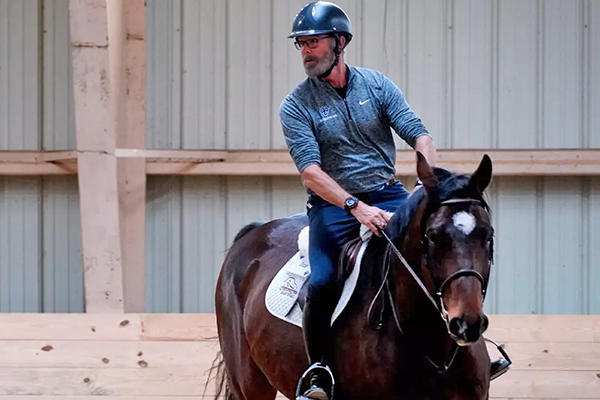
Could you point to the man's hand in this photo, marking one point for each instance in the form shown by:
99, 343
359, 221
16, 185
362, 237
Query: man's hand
328, 189
371, 217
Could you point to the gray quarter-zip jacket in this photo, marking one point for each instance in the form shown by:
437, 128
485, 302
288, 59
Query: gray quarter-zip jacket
350, 139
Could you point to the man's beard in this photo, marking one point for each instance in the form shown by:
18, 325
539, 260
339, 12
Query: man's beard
320, 66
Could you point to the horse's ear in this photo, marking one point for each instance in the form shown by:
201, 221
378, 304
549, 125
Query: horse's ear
425, 173
483, 175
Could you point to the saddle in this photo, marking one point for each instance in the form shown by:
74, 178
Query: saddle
286, 294
346, 263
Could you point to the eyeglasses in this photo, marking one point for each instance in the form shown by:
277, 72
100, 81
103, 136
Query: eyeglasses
310, 43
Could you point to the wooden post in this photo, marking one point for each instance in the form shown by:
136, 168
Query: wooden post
132, 172
96, 125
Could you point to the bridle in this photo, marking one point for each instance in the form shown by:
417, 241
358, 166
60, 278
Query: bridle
439, 292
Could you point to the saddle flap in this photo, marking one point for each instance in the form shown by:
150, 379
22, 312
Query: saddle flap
284, 289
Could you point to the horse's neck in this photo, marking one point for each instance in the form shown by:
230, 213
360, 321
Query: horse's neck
420, 316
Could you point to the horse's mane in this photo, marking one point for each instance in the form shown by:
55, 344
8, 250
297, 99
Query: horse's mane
450, 185
399, 222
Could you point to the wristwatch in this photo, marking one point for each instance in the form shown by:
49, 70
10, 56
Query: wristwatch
350, 203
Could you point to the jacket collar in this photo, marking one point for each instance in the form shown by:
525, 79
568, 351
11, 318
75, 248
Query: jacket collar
351, 73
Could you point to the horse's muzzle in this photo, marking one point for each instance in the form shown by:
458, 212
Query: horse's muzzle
467, 332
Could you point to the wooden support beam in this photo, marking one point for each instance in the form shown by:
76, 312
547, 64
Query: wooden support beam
36, 157
37, 169
189, 156
27, 163
522, 162
92, 33
131, 171
582, 162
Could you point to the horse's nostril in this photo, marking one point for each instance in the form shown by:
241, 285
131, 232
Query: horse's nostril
468, 332
475, 330
458, 327
484, 324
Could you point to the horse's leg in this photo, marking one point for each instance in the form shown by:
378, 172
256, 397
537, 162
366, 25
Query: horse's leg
253, 342
245, 380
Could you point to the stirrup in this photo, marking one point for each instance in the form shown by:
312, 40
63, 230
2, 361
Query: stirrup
504, 364
320, 369
499, 367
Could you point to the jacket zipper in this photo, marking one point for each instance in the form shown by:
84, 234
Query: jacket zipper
348, 109
345, 102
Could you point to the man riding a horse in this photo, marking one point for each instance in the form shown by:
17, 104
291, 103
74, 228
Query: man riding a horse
412, 323
337, 128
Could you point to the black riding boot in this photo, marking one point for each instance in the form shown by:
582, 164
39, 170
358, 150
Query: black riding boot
316, 325
499, 367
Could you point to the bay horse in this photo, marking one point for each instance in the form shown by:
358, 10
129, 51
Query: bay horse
413, 327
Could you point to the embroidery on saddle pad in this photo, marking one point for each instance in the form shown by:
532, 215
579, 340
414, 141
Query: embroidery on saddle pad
281, 298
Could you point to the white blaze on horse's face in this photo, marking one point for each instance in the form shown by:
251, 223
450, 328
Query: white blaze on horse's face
464, 222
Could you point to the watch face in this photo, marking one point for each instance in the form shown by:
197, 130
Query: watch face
351, 202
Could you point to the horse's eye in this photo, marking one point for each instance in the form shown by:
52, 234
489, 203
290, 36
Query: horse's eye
433, 236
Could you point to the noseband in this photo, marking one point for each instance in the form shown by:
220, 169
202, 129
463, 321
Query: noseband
458, 274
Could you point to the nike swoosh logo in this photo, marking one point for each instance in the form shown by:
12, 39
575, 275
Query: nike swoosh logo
363, 102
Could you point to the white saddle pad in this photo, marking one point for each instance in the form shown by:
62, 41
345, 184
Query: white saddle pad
282, 294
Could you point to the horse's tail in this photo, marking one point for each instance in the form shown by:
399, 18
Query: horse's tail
221, 378
246, 229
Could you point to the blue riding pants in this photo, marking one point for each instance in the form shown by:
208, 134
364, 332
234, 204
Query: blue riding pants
331, 227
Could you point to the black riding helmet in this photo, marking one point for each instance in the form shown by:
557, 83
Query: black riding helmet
319, 18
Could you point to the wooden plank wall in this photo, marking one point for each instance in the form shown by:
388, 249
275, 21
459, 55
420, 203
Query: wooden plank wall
166, 356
